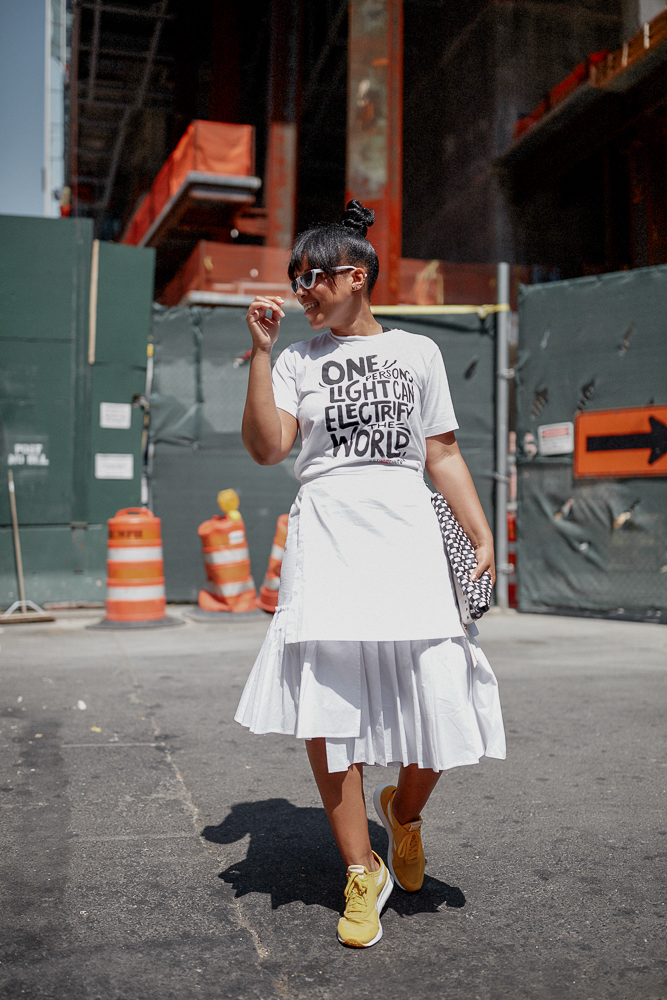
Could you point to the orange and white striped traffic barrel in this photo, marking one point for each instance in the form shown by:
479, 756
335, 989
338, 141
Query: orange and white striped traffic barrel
135, 569
268, 592
135, 573
226, 560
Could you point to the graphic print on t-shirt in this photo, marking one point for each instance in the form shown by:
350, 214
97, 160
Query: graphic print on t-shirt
369, 406
363, 400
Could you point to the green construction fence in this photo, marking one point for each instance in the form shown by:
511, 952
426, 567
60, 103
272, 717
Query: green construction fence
197, 400
71, 419
590, 546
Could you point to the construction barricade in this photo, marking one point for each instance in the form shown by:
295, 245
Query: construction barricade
135, 572
226, 560
268, 592
512, 595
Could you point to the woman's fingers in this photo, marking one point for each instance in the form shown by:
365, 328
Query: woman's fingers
479, 571
260, 319
264, 330
485, 562
260, 315
270, 300
261, 303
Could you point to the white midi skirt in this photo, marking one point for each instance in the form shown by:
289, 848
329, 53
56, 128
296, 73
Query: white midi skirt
366, 648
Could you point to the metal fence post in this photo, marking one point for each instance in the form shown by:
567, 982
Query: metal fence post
502, 429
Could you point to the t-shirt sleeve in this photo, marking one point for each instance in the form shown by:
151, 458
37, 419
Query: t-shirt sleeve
284, 383
438, 415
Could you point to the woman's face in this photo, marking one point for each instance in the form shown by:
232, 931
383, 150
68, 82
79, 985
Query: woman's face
329, 303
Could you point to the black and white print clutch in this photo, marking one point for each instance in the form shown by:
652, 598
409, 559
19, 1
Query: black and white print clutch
474, 597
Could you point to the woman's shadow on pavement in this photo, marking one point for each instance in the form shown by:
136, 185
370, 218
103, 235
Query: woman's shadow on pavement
292, 856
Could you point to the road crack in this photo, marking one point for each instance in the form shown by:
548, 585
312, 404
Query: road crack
186, 798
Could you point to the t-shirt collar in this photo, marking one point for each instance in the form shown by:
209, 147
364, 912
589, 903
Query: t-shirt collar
356, 339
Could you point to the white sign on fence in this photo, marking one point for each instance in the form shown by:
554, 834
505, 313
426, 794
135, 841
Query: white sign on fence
29, 454
114, 466
556, 439
116, 416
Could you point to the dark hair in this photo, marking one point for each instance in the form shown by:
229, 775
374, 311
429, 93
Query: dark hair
330, 246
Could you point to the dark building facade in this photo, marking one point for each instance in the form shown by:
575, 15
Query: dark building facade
461, 107
586, 185
581, 192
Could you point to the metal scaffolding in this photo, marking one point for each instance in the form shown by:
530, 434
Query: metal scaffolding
116, 72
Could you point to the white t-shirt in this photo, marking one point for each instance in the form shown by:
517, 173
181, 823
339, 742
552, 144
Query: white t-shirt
363, 401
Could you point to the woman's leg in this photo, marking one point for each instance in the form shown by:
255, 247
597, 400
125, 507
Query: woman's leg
342, 795
414, 788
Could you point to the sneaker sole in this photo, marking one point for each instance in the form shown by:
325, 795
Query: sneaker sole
377, 803
382, 899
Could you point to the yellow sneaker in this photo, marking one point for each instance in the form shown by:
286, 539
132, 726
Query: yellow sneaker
406, 855
365, 895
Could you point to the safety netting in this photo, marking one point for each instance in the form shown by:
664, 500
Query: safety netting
197, 400
590, 545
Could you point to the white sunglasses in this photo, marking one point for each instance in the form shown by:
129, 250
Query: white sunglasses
308, 279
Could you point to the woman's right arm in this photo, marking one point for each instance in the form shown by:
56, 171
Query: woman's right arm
268, 433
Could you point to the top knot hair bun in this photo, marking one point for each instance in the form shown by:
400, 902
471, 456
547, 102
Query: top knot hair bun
357, 217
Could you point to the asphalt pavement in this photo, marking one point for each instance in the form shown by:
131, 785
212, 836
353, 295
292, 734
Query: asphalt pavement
154, 849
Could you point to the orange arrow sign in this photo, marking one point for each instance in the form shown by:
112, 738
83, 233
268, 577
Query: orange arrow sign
621, 443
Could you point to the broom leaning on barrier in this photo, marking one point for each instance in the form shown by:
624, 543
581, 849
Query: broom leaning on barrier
19, 612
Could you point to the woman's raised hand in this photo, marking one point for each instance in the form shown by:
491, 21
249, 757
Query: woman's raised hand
264, 330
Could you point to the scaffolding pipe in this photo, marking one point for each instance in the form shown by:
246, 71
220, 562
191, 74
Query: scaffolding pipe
139, 97
74, 108
95, 48
503, 374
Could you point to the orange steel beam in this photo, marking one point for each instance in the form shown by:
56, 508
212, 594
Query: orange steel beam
375, 129
280, 178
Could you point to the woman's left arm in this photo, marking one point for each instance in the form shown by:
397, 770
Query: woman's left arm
449, 474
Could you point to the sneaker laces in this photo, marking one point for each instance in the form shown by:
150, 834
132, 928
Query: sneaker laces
355, 893
409, 846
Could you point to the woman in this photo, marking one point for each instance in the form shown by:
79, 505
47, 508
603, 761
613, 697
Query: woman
366, 658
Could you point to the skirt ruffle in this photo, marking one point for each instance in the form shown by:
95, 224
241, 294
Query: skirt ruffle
430, 702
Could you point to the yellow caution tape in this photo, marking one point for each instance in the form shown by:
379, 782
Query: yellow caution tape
408, 310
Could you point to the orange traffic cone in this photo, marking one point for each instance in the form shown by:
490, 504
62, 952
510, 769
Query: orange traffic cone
268, 592
226, 559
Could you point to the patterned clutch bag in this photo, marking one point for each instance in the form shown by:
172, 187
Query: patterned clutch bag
474, 597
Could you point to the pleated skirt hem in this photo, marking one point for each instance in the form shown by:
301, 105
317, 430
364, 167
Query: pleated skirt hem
430, 702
